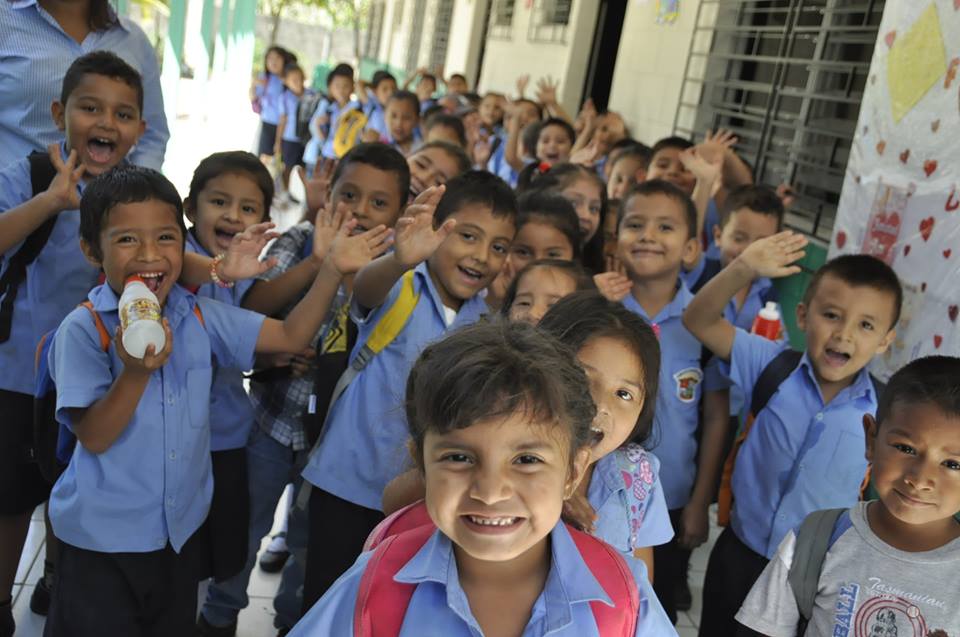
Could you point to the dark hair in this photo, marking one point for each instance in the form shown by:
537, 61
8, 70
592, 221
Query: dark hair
582, 316
381, 76
232, 161
340, 70
291, 68
476, 187
536, 105
430, 111
670, 142
380, 156
634, 150
665, 188
102, 63
931, 379
458, 153
553, 209
429, 77
581, 280
561, 123
860, 270
760, 199
120, 185
287, 56
458, 76
406, 96
447, 121
493, 370
473, 98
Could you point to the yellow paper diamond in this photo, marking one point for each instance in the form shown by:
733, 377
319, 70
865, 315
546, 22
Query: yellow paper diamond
916, 61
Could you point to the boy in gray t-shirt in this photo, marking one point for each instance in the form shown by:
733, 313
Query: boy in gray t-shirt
891, 569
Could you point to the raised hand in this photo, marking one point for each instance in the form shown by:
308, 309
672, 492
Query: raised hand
716, 144
242, 258
772, 257
416, 238
706, 168
62, 192
317, 187
588, 155
614, 286
522, 83
326, 226
482, 149
151, 361
547, 90
350, 252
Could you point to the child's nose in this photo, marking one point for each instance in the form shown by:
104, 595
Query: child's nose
490, 486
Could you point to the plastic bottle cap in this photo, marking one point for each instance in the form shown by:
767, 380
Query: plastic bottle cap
132, 278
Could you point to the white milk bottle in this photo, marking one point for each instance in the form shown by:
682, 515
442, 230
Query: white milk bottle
140, 319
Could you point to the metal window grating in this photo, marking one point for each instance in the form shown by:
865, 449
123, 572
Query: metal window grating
549, 21
441, 34
501, 20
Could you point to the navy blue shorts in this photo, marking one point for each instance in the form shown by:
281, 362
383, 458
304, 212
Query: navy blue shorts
268, 137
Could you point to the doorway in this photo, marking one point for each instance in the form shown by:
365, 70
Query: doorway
603, 56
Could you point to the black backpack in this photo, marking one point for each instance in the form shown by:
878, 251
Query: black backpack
306, 109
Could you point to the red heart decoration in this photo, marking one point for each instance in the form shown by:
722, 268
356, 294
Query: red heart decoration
947, 253
841, 239
935, 125
923, 286
904, 156
929, 166
952, 312
881, 146
926, 227
890, 37
937, 340
906, 249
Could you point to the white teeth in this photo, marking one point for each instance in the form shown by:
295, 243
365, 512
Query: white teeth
492, 521
150, 275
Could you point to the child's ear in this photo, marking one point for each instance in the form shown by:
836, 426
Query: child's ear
92, 255
189, 211
887, 341
578, 469
143, 129
801, 316
59, 113
691, 252
870, 431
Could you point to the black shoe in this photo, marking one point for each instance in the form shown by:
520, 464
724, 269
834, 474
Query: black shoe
273, 561
683, 600
40, 599
283, 632
206, 629
7, 625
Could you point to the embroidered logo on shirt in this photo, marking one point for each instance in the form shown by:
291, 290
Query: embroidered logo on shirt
687, 381
637, 476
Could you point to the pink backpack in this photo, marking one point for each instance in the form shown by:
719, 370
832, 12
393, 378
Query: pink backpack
382, 602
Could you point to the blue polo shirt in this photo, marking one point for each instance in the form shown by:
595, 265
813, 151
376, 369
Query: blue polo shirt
56, 282
290, 103
270, 98
439, 605
678, 398
363, 445
231, 414
801, 455
376, 115
626, 494
153, 485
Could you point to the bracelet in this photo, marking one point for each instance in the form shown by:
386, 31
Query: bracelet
216, 277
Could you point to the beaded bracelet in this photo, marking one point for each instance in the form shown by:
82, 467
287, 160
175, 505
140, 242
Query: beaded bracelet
216, 277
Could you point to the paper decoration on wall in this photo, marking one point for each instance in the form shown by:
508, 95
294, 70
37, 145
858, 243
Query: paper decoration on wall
668, 11
916, 62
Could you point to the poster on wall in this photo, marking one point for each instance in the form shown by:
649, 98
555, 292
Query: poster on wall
901, 193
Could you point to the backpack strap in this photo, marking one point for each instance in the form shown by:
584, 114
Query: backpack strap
813, 540
98, 323
409, 517
711, 268
42, 173
613, 574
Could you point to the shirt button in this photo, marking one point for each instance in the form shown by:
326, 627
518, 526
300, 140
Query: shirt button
170, 400
173, 455
819, 416
170, 500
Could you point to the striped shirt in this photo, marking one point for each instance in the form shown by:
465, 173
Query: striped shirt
35, 53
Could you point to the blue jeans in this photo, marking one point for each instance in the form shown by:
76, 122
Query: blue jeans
270, 466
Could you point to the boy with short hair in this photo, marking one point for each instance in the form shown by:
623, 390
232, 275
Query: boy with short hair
448, 249
128, 506
803, 451
403, 122
381, 87
326, 119
891, 563
627, 167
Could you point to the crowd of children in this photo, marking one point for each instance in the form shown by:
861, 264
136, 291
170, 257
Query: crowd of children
505, 358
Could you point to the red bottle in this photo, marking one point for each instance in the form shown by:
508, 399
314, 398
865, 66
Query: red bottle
767, 322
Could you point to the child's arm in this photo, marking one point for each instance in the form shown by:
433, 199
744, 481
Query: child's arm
241, 261
511, 152
98, 426
770, 257
706, 168
347, 255
771, 605
410, 80
547, 95
278, 142
18, 223
416, 240
694, 520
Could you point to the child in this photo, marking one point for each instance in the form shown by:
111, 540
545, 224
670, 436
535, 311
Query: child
554, 141
499, 416
138, 486
451, 255
326, 121
265, 94
491, 109
447, 128
889, 562
403, 120
457, 84
656, 235
803, 452
434, 164
288, 141
382, 86
229, 193
617, 149
368, 186
610, 129
426, 87
510, 154
628, 167
539, 285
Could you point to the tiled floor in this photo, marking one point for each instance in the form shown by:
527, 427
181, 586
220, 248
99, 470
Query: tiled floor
257, 619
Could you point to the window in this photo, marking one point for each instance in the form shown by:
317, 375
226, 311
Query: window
549, 21
787, 77
441, 34
414, 35
501, 19
374, 29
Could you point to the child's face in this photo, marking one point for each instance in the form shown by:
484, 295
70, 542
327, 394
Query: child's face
845, 327
425, 89
441, 133
616, 385
525, 112
142, 238
653, 239
626, 173
371, 194
915, 458
743, 228
430, 167
496, 488
101, 121
384, 90
553, 145
610, 130
294, 81
539, 240
537, 291
585, 195
457, 85
228, 204
402, 118
471, 257
666, 165
341, 88
275, 63
491, 110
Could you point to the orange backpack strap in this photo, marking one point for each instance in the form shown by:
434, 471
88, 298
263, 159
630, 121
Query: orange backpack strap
101, 328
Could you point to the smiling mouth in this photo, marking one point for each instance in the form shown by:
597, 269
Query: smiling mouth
153, 280
100, 149
224, 236
474, 276
913, 502
835, 358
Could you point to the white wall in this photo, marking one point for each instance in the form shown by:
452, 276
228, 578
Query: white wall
466, 29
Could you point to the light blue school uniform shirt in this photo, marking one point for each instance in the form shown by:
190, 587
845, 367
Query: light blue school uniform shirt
271, 97
153, 485
439, 606
681, 379
363, 445
56, 282
334, 111
711, 219
231, 413
626, 494
289, 102
35, 53
801, 455
376, 115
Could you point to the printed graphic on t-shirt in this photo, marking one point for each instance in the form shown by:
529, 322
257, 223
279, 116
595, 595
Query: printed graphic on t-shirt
880, 610
687, 381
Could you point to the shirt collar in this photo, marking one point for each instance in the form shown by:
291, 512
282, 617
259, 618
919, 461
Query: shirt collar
673, 309
609, 473
470, 310
195, 243
861, 387
178, 305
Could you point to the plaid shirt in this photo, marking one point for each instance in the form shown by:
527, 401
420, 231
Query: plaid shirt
279, 406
